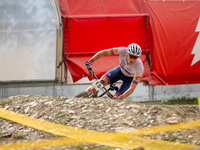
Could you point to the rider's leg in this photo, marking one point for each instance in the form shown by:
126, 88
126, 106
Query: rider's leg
125, 85
110, 77
113, 76
122, 89
104, 80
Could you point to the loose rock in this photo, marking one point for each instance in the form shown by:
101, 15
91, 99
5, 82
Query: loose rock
99, 114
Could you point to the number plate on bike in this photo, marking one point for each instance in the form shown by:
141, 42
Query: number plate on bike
97, 85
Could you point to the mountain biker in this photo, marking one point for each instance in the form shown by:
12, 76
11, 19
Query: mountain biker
129, 71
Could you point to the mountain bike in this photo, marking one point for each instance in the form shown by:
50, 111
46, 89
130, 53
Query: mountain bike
98, 89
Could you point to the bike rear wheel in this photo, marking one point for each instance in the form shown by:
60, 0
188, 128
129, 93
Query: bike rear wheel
82, 94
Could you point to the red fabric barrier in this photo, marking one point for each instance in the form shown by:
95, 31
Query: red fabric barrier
167, 30
89, 35
99, 7
174, 26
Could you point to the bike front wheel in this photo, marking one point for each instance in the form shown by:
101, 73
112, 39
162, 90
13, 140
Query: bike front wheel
82, 94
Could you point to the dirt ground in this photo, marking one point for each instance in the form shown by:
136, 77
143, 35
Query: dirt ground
99, 114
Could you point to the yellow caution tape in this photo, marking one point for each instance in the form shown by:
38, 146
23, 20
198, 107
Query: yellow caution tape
165, 128
109, 139
41, 144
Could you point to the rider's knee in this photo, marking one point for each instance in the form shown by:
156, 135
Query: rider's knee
104, 81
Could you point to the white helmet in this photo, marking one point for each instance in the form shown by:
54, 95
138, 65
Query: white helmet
134, 49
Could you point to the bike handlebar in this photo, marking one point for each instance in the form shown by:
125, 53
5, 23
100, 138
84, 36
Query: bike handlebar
92, 72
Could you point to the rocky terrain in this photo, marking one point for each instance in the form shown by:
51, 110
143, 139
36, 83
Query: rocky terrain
99, 114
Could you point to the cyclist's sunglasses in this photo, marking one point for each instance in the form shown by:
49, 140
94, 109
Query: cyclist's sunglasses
132, 56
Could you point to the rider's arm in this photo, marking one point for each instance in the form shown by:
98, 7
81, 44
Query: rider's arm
100, 54
129, 91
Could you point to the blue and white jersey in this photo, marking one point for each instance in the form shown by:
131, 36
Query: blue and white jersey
135, 70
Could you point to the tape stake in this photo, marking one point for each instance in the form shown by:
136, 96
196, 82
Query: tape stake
199, 102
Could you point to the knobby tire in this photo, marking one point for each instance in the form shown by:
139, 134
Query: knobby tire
82, 94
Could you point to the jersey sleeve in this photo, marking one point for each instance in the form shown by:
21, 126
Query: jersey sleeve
138, 75
118, 50
136, 80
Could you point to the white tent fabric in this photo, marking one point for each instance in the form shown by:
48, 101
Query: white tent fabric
27, 40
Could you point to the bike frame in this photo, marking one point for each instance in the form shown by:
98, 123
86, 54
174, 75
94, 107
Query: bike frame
96, 87
106, 91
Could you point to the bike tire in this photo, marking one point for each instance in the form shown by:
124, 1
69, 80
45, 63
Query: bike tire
82, 94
